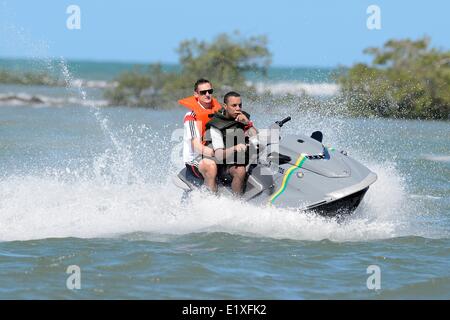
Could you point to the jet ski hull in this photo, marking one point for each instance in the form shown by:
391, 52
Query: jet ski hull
344, 206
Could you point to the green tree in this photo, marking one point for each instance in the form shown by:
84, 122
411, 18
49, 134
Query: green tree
139, 87
224, 61
406, 79
27, 78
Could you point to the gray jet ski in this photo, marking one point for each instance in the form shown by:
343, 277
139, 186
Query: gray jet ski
296, 171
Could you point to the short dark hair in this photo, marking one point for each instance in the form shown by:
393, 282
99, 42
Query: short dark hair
199, 82
230, 94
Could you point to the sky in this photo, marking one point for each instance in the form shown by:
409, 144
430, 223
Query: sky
323, 33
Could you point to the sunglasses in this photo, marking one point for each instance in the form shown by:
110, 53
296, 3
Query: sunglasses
203, 92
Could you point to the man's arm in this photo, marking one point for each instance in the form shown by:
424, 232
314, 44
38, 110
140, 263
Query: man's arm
202, 149
244, 118
219, 149
251, 132
192, 133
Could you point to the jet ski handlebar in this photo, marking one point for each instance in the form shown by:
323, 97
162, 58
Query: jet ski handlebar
282, 122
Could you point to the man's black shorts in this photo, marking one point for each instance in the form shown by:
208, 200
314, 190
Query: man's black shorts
193, 170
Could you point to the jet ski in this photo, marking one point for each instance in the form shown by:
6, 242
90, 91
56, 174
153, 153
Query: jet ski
296, 171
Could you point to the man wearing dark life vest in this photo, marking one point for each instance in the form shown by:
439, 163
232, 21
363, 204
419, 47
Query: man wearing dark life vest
226, 131
198, 157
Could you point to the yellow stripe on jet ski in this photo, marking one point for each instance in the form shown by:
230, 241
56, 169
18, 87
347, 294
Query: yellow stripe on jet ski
298, 164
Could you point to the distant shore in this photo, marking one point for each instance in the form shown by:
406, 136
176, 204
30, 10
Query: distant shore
21, 77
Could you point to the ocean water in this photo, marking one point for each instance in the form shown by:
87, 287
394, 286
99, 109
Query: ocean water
313, 81
96, 70
90, 186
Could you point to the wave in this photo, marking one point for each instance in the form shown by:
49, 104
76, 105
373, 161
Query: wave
96, 84
437, 158
424, 196
40, 100
70, 204
297, 88
26, 99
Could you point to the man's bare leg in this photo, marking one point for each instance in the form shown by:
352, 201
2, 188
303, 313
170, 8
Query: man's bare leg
237, 185
208, 169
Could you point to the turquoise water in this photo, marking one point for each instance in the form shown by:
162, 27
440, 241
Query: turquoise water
107, 71
91, 187
223, 266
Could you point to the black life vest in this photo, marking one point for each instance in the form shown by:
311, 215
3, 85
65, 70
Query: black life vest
232, 131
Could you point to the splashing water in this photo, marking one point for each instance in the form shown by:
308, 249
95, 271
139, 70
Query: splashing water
41, 207
120, 154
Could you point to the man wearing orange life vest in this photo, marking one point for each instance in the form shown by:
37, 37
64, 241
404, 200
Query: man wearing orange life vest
196, 155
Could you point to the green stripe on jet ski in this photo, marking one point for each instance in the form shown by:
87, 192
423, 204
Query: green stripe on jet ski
287, 176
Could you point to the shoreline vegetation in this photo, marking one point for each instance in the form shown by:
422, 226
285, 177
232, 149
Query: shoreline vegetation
406, 79
28, 78
224, 61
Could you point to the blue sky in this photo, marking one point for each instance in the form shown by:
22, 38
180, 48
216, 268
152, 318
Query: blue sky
300, 33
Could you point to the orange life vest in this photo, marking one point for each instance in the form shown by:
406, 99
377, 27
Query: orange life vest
201, 114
